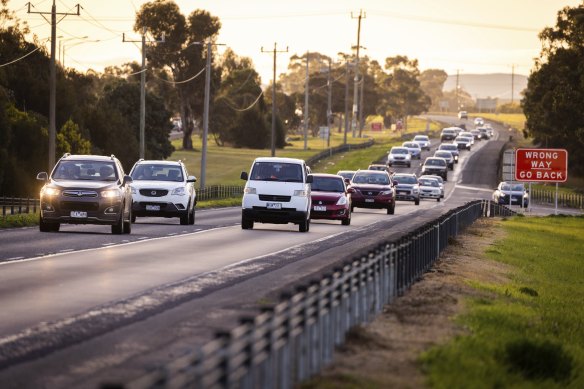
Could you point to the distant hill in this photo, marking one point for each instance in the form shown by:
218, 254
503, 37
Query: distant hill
497, 85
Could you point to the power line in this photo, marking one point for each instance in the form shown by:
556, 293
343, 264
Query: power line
23, 57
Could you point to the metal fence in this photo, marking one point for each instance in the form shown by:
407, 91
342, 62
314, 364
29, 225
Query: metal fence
217, 192
18, 205
292, 340
567, 200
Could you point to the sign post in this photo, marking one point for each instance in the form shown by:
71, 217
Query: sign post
542, 165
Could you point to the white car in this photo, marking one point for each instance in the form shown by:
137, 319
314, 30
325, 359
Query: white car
440, 182
429, 188
163, 189
277, 190
399, 156
479, 122
414, 149
423, 141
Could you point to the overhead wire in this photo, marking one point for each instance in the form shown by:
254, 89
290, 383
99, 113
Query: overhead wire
23, 57
180, 82
225, 100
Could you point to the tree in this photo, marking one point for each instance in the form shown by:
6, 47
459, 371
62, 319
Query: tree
69, 140
555, 95
432, 82
183, 53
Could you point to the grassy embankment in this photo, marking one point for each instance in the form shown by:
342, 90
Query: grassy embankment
225, 164
529, 331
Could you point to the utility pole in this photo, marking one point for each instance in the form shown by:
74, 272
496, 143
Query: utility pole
361, 106
306, 84
275, 51
329, 107
356, 79
457, 88
142, 91
346, 103
512, 82
53, 77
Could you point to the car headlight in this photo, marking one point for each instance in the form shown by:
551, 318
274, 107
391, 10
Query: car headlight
249, 190
134, 191
51, 192
416, 190
180, 191
386, 192
110, 194
342, 200
300, 193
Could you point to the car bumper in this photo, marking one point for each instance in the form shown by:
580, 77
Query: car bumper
430, 195
333, 212
158, 209
406, 196
274, 216
399, 162
81, 212
376, 202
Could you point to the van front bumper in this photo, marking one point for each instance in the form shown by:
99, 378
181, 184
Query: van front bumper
275, 216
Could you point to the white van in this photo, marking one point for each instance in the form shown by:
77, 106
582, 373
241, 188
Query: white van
277, 191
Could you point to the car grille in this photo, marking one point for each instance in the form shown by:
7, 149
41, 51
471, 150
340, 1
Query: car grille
369, 192
79, 206
79, 193
324, 202
153, 192
282, 199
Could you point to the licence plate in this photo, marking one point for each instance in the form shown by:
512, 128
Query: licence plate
369, 200
153, 207
402, 192
78, 214
274, 206
320, 207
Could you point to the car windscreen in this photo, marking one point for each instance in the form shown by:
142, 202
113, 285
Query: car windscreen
154, 172
369, 178
327, 184
405, 179
446, 155
348, 175
276, 171
448, 147
399, 151
429, 182
85, 170
435, 162
411, 145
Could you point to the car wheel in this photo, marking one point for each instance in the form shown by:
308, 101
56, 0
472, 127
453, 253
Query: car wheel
192, 217
184, 219
391, 209
438, 199
128, 224
118, 228
304, 226
417, 201
409, 164
346, 221
352, 208
133, 218
446, 177
246, 224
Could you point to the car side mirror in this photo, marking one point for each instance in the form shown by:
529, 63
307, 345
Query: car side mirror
309, 179
127, 180
192, 179
43, 176
244, 176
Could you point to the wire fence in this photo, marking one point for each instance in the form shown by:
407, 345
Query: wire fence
548, 197
290, 341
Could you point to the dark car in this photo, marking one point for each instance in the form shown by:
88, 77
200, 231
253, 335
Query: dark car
347, 175
378, 166
435, 165
452, 148
331, 199
447, 155
373, 189
407, 187
508, 193
86, 189
448, 134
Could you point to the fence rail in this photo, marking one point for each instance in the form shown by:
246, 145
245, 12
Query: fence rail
18, 205
292, 340
567, 200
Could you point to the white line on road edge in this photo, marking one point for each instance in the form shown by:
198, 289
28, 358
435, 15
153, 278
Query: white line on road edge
14, 258
473, 188
64, 251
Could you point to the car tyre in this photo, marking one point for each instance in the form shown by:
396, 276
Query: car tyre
417, 201
246, 224
346, 221
409, 164
438, 199
48, 227
128, 224
118, 228
391, 209
133, 218
192, 217
304, 226
184, 219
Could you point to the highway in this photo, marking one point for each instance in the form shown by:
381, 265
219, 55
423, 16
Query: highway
82, 306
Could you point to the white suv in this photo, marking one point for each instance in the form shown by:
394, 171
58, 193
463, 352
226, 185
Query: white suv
163, 188
277, 191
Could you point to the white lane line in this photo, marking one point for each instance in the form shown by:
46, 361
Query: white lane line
108, 244
65, 250
473, 188
171, 234
14, 259
143, 237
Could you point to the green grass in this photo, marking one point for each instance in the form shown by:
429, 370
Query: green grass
20, 220
515, 120
530, 332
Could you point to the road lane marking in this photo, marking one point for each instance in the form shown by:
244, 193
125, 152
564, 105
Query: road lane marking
65, 250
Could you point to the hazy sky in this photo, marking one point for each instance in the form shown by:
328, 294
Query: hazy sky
471, 36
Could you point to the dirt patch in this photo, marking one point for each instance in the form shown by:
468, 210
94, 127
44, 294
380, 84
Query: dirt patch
384, 353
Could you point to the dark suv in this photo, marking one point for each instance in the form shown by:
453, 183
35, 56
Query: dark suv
86, 189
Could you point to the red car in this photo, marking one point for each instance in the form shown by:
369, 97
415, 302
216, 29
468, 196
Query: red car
373, 189
331, 199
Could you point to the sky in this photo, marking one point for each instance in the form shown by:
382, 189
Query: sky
465, 36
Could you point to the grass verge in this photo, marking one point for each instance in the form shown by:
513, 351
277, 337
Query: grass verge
20, 220
527, 333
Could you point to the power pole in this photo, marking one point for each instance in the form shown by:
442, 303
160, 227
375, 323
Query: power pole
329, 108
512, 82
346, 103
306, 81
356, 79
275, 51
53, 77
457, 88
361, 106
206, 114
142, 91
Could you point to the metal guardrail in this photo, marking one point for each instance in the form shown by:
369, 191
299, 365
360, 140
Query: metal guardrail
216, 192
18, 205
292, 340
339, 149
567, 200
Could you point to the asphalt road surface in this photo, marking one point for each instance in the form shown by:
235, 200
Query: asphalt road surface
82, 306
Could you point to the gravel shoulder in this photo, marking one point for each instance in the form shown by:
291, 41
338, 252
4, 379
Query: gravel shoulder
385, 352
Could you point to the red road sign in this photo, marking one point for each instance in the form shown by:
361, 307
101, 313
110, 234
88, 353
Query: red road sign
541, 165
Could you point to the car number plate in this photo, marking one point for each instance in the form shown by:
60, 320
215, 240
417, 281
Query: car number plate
402, 192
78, 214
320, 207
369, 200
274, 205
153, 207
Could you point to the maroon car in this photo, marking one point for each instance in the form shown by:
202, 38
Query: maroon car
330, 198
373, 189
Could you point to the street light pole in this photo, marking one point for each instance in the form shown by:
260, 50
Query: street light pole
206, 115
